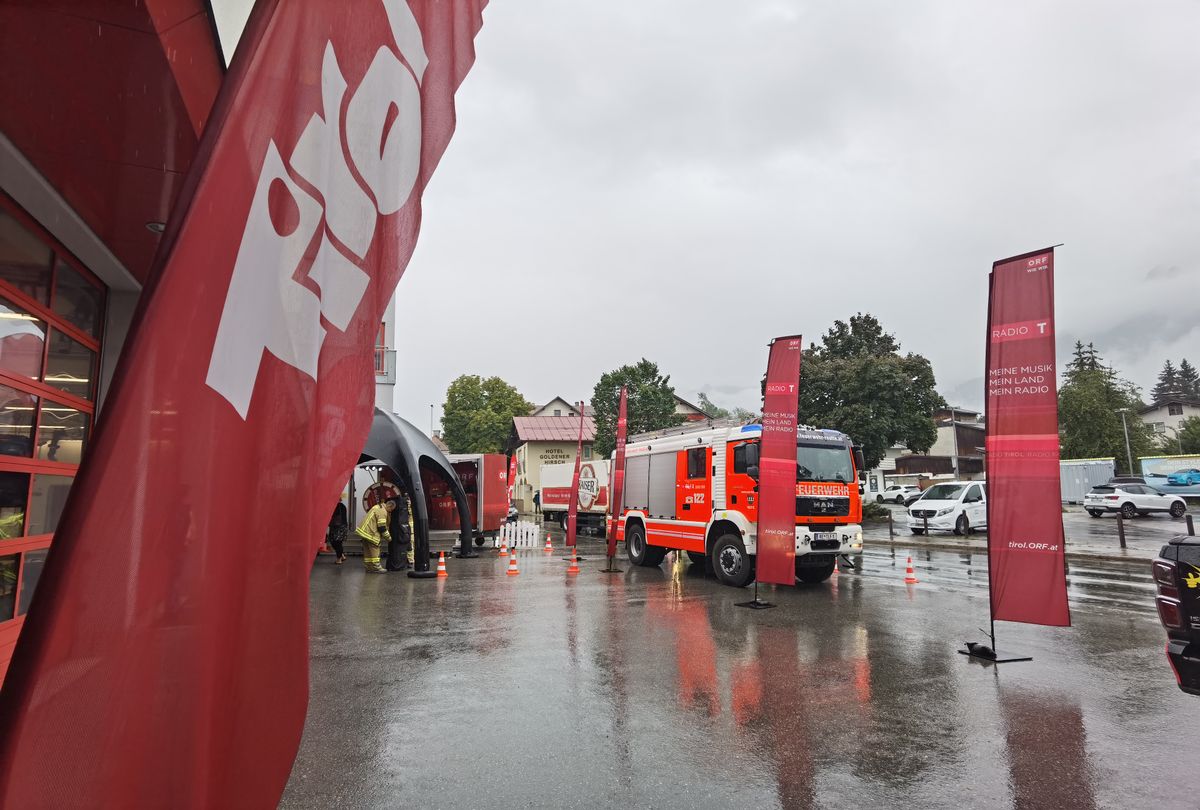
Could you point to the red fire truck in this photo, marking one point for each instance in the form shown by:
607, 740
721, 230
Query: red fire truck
695, 488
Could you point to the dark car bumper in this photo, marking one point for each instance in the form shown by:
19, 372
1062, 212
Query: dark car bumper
1185, 660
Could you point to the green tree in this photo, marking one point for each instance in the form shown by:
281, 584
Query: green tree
478, 413
1167, 385
1189, 435
717, 412
1189, 380
1090, 402
711, 408
857, 381
651, 403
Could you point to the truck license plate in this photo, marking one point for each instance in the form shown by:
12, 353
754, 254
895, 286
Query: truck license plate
825, 535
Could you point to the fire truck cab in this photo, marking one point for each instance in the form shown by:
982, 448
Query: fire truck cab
696, 489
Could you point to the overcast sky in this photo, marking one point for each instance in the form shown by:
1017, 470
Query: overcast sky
683, 181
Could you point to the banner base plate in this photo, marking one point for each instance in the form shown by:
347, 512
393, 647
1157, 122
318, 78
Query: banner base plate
994, 658
422, 574
755, 604
470, 555
612, 569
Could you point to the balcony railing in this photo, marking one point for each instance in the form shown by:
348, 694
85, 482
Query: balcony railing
385, 366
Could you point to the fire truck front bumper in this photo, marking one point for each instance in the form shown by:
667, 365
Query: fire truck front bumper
835, 540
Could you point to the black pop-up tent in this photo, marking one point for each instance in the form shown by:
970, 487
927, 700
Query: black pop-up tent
398, 444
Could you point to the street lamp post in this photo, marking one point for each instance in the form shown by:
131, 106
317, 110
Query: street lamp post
1128, 452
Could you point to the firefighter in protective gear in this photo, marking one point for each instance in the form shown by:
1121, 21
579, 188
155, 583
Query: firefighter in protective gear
374, 532
400, 550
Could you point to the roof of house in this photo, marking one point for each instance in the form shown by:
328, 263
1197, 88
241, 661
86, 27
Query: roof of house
571, 405
681, 401
552, 428
1154, 406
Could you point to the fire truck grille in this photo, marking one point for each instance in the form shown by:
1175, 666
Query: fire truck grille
809, 505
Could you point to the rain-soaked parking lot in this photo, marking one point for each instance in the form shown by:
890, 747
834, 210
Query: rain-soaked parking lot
650, 688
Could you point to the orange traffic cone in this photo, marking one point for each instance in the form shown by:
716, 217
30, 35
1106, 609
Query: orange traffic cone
910, 577
549, 545
503, 546
573, 568
512, 565
441, 571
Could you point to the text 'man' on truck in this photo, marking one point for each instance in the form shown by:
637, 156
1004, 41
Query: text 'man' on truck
696, 489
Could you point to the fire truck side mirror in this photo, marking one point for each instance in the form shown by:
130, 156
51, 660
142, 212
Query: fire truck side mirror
752, 459
752, 471
860, 463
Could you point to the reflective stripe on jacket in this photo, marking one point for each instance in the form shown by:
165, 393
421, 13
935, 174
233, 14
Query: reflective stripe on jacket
374, 527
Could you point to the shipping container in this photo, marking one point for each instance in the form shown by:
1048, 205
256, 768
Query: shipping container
1077, 476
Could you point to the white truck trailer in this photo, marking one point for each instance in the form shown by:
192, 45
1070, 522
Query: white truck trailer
593, 493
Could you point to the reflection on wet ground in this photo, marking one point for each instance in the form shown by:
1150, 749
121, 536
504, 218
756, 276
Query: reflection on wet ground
650, 688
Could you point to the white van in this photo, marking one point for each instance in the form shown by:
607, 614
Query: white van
952, 506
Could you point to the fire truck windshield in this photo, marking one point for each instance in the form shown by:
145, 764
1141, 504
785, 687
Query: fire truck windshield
823, 462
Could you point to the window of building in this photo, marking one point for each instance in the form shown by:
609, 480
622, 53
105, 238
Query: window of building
51, 323
77, 300
31, 572
558, 411
25, 260
697, 462
9, 565
587, 451
1174, 409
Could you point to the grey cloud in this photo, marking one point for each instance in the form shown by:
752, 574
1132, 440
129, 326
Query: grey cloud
1163, 273
686, 181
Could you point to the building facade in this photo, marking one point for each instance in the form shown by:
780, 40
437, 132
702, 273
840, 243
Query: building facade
1166, 418
540, 440
957, 452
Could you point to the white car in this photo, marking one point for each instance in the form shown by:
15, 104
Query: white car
1131, 500
898, 493
953, 506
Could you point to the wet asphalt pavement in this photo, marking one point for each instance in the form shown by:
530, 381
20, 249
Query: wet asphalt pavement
651, 689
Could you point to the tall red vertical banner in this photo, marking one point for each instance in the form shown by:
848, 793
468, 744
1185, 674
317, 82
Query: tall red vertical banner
164, 660
777, 465
512, 476
573, 507
617, 492
1025, 533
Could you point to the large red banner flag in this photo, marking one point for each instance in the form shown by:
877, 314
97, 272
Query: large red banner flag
618, 474
512, 476
164, 662
573, 505
777, 464
1024, 506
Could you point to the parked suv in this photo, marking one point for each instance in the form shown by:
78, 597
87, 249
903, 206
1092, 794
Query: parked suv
1131, 500
1177, 575
955, 506
899, 493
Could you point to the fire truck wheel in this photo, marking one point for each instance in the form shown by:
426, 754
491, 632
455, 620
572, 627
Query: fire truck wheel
638, 552
731, 564
812, 574
565, 522
698, 558
479, 540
